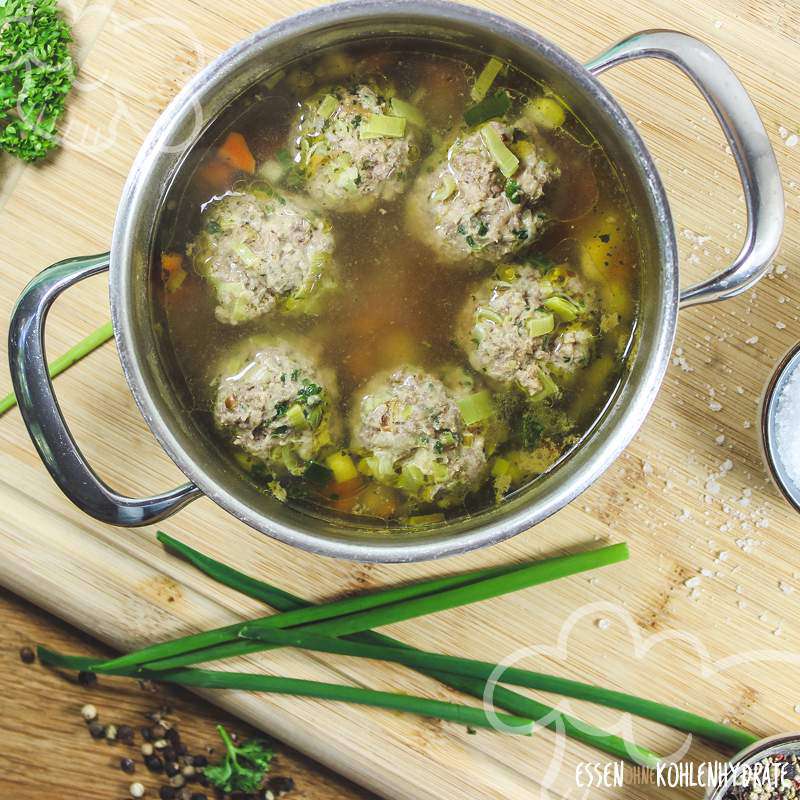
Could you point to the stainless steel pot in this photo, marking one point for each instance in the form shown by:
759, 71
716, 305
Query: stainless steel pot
218, 86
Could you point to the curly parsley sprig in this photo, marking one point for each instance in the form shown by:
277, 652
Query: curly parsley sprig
36, 74
244, 766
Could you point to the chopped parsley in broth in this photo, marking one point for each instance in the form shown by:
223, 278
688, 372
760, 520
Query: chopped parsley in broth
399, 282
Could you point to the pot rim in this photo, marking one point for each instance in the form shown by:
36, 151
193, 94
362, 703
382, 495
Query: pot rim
629, 418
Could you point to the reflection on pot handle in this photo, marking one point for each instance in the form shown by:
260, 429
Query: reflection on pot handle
43, 417
748, 141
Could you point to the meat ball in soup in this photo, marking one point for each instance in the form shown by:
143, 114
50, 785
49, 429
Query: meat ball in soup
480, 198
352, 148
426, 436
525, 325
275, 403
262, 251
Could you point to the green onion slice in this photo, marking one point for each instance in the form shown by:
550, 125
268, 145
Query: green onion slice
379, 125
486, 79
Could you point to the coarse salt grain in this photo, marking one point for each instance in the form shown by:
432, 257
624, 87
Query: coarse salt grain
787, 424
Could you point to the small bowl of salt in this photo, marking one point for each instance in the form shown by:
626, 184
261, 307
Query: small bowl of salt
780, 426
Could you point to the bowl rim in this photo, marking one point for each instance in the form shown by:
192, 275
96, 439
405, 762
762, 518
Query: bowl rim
789, 362
394, 550
751, 752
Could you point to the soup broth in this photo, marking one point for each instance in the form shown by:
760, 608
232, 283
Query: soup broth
398, 282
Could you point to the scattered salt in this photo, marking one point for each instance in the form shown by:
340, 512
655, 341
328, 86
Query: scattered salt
603, 623
787, 423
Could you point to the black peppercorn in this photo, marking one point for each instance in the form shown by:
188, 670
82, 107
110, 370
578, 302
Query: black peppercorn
198, 796
97, 730
87, 678
26, 655
172, 768
154, 764
159, 731
146, 734
200, 761
280, 785
125, 734
166, 793
168, 753
127, 765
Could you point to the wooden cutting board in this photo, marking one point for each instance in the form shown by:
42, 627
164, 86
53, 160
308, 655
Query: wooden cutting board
690, 494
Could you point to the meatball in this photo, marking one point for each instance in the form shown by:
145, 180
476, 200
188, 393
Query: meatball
466, 208
262, 251
410, 429
346, 167
514, 331
277, 405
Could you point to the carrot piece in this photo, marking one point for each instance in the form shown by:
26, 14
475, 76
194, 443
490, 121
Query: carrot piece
216, 175
378, 501
346, 488
235, 152
171, 261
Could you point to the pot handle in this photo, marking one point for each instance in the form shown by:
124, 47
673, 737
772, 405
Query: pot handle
43, 417
755, 159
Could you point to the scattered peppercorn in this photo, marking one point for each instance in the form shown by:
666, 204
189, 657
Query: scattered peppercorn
147, 749
172, 768
26, 655
154, 764
200, 761
198, 796
137, 790
89, 712
160, 744
125, 734
127, 765
146, 733
97, 730
177, 781
111, 732
166, 793
87, 678
280, 784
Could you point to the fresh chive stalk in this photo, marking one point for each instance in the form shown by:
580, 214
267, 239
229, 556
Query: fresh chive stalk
465, 667
222, 643
362, 643
64, 362
274, 684
503, 698
346, 609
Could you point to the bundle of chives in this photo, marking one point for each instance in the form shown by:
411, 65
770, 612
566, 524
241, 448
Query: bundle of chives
529, 711
362, 612
449, 668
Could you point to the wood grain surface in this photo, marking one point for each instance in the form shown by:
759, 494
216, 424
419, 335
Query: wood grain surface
48, 753
704, 614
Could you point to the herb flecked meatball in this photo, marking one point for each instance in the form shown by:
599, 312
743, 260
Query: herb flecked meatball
468, 205
352, 149
262, 251
275, 403
526, 324
426, 436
